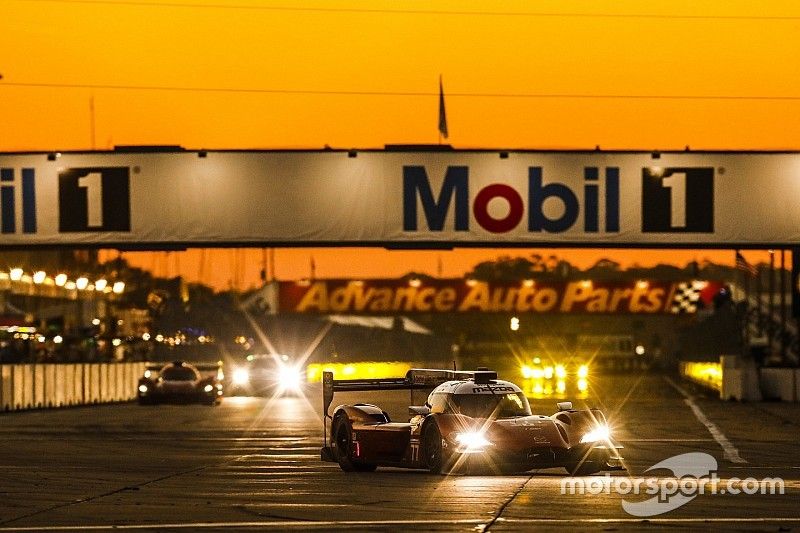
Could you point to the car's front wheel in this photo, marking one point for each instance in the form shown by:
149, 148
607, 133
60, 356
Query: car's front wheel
344, 441
437, 457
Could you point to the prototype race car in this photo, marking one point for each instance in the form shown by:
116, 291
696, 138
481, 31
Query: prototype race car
267, 374
470, 420
180, 382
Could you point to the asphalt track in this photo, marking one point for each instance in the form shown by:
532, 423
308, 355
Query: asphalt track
253, 463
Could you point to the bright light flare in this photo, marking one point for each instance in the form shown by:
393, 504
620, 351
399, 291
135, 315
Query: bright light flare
290, 378
583, 371
240, 376
600, 433
39, 277
472, 441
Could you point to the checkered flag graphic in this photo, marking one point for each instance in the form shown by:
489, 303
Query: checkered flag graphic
687, 298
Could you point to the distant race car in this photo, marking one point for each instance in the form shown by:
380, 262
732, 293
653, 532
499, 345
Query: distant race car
266, 374
471, 420
180, 382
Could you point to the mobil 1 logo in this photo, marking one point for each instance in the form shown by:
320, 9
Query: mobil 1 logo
677, 200
94, 199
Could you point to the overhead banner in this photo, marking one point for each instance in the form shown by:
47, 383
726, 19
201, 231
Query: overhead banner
466, 296
396, 198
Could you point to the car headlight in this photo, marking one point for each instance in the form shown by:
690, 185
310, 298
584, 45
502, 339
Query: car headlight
142, 388
472, 441
600, 433
290, 378
241, 376
208, 388
583, 371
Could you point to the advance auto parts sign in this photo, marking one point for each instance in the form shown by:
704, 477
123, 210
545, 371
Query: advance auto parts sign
461, 296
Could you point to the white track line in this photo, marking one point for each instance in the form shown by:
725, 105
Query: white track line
327, 524
730, 451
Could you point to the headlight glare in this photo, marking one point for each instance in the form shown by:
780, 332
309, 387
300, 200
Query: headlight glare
290, 378
208, 388
241, 376
472, 441
599, 433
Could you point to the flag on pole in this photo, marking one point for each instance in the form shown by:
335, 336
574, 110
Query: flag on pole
744, 266
442, 114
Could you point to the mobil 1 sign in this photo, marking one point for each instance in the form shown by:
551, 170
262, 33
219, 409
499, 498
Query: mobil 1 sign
400, 198
606, 198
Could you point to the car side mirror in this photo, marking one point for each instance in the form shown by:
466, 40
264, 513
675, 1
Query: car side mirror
419, 410
564, 406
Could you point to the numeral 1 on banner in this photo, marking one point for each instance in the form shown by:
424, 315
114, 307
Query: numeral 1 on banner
677, 195
93, 183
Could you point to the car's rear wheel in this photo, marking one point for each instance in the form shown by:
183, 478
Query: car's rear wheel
437, 457
343, 439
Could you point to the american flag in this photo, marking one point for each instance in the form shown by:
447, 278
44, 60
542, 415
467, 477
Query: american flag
744, 266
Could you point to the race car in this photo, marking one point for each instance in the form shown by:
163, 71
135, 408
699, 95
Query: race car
267, 374
471, 420
180, 382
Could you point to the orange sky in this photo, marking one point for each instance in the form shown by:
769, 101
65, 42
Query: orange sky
263, 74
241, 268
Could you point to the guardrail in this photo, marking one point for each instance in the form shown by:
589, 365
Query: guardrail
37, 386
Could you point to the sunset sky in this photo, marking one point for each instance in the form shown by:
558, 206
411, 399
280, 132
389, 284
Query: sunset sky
82, 74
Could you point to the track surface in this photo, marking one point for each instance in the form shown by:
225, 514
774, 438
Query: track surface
254, 463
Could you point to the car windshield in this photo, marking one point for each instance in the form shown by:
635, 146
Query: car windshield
178, 373
492, 405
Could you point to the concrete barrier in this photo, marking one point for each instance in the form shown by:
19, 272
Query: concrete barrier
23, 386
6, 388
104, 383
31, 386
38, 386
732, 378
779, 384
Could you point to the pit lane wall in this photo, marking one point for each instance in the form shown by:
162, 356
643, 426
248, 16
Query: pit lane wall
736, 379
38, 386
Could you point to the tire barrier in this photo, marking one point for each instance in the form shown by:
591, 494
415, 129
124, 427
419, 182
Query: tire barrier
42, 386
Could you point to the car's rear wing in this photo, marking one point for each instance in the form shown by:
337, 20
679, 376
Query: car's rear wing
205, 368
416, 378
